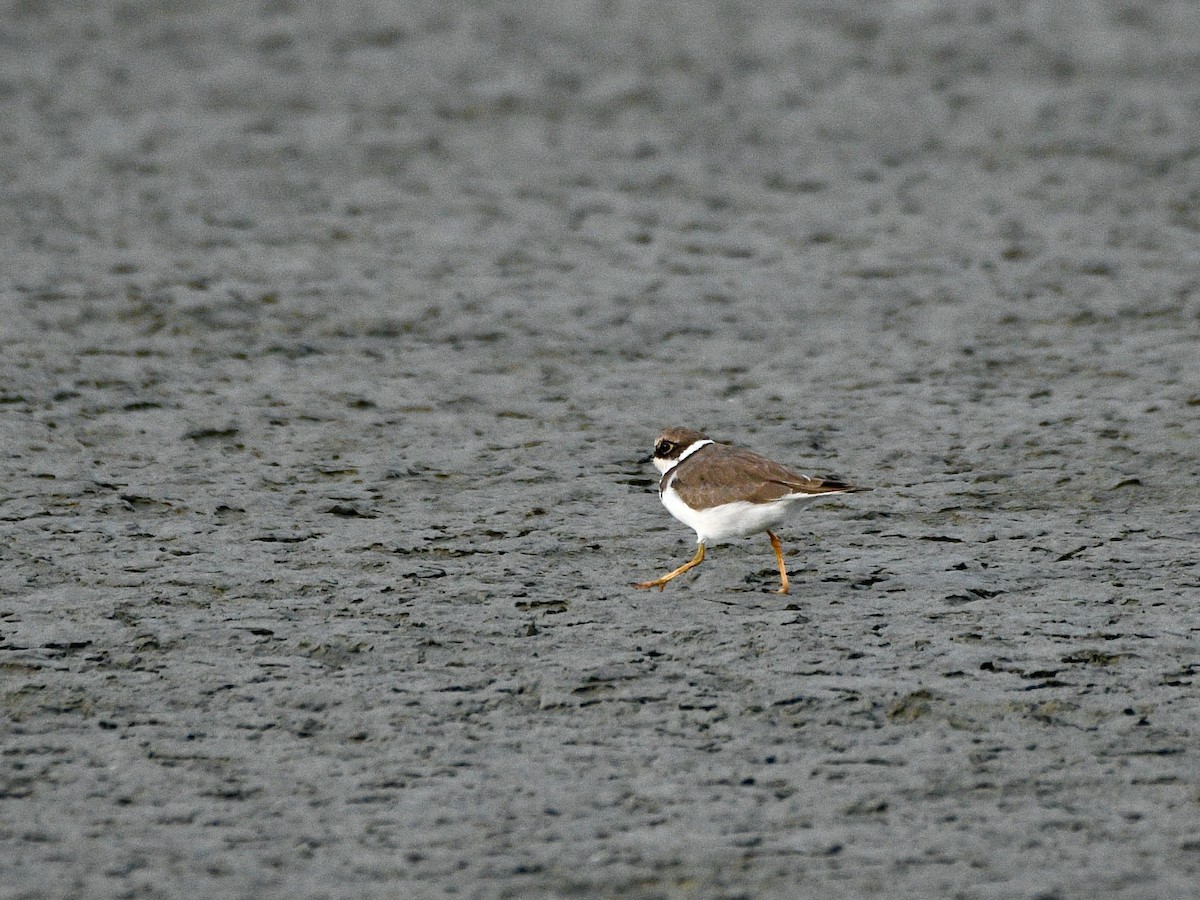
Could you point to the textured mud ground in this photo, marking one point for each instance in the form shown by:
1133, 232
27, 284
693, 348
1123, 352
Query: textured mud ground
331, 333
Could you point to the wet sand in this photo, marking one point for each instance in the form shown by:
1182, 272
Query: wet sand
332, 335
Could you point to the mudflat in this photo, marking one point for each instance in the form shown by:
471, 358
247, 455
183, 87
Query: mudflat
332, 333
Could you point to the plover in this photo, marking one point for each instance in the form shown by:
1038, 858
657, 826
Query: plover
725, 492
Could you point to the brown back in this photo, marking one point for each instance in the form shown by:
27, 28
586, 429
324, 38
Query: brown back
718, 474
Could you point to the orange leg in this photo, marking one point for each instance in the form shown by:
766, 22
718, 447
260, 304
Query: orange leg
778, 548
661, 583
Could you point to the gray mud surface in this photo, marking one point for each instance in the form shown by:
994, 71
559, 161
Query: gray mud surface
332, 332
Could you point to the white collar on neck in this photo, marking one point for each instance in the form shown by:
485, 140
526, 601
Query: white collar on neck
689, 451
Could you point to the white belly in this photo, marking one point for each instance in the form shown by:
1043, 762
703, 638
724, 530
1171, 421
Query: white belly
738, 519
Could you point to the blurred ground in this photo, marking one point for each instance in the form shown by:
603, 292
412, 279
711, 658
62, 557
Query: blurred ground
331, 333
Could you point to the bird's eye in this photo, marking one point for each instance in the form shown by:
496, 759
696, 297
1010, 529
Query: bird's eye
663, 448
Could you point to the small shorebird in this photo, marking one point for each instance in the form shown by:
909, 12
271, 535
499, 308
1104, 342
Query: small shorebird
725, 492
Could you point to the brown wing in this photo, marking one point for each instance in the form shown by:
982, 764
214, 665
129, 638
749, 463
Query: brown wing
728, 474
